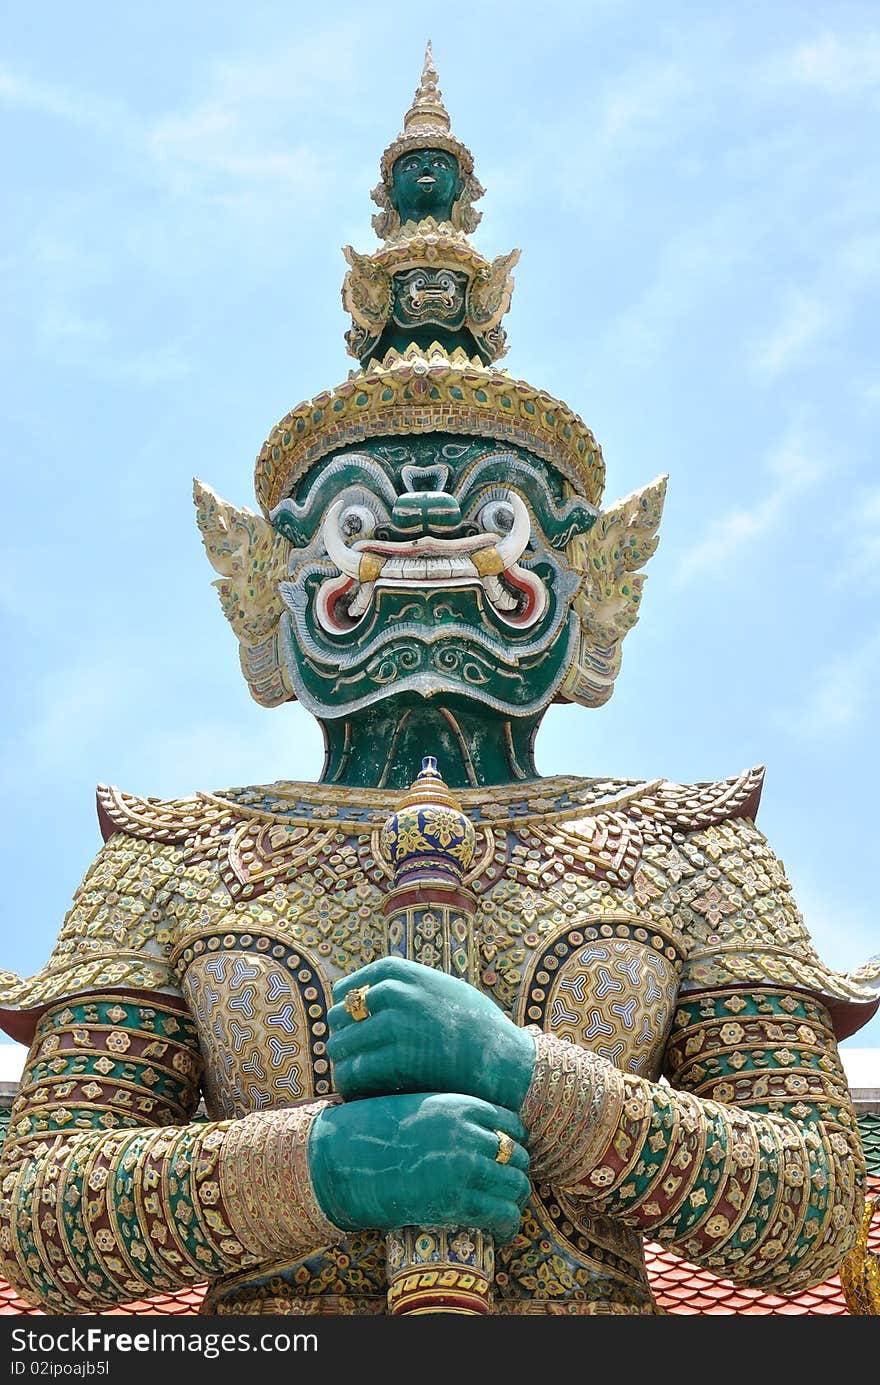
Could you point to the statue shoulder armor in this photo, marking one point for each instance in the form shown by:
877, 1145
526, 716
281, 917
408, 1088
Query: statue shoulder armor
735, 907
117, 932
663, 807
176, 821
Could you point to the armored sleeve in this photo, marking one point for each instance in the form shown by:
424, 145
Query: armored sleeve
112, 1191
111, 1188
746, 1156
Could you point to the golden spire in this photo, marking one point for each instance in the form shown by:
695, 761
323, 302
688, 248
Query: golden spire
427, 111
426, 124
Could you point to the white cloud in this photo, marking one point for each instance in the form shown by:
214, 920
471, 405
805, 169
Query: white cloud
214, 139
691, 265
860, 260
16, 90
244, 119
838, 66
848, 267
857, 539
73, 708
190, 173
796, 470
724, 537
61, 327
867, 512
75, 107
112, 709
586, 139
88, 343
21, 91
795, 463
641, 104
844, 937
842, 693
804, 320
152, 366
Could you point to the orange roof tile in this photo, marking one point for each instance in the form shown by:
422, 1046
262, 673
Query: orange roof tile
683, 1288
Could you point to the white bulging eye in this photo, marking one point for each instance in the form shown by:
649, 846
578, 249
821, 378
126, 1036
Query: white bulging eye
356, 522
497, 517
336, 538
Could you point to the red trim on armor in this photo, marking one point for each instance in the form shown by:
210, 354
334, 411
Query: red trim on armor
415, 895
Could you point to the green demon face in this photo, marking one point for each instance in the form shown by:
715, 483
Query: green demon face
436, 568
425, 182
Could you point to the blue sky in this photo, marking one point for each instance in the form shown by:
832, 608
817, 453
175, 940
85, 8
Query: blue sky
695, 190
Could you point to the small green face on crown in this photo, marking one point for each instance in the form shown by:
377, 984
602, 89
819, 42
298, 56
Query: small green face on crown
425, 183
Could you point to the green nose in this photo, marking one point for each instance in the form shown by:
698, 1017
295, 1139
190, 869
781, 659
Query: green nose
425, 512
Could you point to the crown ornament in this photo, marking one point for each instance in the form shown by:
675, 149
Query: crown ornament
426, 332
427, 283
427, 389
427, 125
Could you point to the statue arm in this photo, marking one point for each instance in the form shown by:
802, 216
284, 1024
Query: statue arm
748, 1162
109, 1190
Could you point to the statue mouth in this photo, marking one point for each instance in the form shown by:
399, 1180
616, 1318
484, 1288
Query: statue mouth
490, 560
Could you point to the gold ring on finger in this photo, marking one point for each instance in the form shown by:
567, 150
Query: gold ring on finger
356, 1003
506, 1147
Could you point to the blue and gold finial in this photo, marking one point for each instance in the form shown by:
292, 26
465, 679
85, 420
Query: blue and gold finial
429, 835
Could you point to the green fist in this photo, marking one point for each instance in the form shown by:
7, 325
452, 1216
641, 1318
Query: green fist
426, 1032
427, 1159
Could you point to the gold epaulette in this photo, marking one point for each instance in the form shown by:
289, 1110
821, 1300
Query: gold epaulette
693, 807
116, 933
173, 820
658, 802
860, 1270
793, 964
737, 910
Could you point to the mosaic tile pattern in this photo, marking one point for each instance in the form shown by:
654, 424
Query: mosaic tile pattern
681, 1289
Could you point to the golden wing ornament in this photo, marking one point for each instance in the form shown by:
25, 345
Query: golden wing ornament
367, 291
490, 292
608, 556
252, 559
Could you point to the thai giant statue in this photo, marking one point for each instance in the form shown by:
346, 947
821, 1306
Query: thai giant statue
434, 1033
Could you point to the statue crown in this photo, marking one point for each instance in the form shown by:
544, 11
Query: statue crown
426, 124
